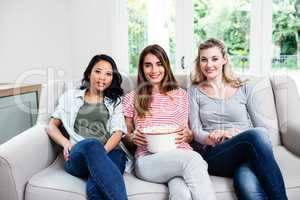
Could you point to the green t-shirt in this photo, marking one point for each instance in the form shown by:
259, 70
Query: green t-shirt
91, 122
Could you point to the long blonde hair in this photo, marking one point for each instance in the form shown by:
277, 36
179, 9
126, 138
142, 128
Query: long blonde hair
227, 72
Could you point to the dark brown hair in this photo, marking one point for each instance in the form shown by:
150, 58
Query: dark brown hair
114, 91
144, 90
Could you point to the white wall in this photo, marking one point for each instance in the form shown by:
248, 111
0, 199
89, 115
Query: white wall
54, 39
34, 40
89, 32
117, 30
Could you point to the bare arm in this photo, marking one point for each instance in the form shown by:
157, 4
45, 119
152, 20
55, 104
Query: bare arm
127, 139
130, 129
134, 137
56, 135
113, 141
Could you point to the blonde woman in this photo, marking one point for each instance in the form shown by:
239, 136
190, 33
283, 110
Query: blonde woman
223, 123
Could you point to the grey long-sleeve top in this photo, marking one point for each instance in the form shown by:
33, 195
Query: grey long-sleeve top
208, 113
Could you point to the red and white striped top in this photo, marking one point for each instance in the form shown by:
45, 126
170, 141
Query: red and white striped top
170, 109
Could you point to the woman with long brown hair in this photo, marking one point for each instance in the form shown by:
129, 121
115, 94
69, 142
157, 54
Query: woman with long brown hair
159, 101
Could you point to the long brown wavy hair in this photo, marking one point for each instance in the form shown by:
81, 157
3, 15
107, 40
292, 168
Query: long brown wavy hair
144, 90
227, 72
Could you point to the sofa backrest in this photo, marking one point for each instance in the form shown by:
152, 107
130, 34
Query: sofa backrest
262, 100
50, 94
262, 97
287, 101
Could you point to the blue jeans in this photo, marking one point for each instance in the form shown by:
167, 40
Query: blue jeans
88, 159
249, 159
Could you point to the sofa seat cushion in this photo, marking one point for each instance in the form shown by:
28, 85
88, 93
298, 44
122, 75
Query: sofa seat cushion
289, 165
223, 187
53, 183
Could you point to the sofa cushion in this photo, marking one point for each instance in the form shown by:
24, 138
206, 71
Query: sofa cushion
262, 100
50, 94
289, 165
55, 183
20, 158
224, 186
288, 109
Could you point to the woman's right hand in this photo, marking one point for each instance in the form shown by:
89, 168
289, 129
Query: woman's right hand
67, 148
209, 141
139, 138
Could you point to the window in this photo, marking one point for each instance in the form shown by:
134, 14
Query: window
150, 22
260, 35
226, 20
286, 36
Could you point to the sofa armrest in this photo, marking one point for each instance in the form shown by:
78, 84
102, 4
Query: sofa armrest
288, 109
21, 158
292, 138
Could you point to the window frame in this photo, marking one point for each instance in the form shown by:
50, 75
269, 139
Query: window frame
260, 36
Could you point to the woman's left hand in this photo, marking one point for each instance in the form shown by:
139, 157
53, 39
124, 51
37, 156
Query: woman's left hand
184, 136
218, 136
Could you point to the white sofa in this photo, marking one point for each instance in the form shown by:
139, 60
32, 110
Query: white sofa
31, 167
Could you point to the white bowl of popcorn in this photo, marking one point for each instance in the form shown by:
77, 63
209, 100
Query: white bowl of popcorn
161, 138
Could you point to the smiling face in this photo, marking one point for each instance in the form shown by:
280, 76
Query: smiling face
101, 76
154, 70
211, 63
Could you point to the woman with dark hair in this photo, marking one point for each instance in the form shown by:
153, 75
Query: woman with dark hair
229, 134
93, 118
159, 102
114, 91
